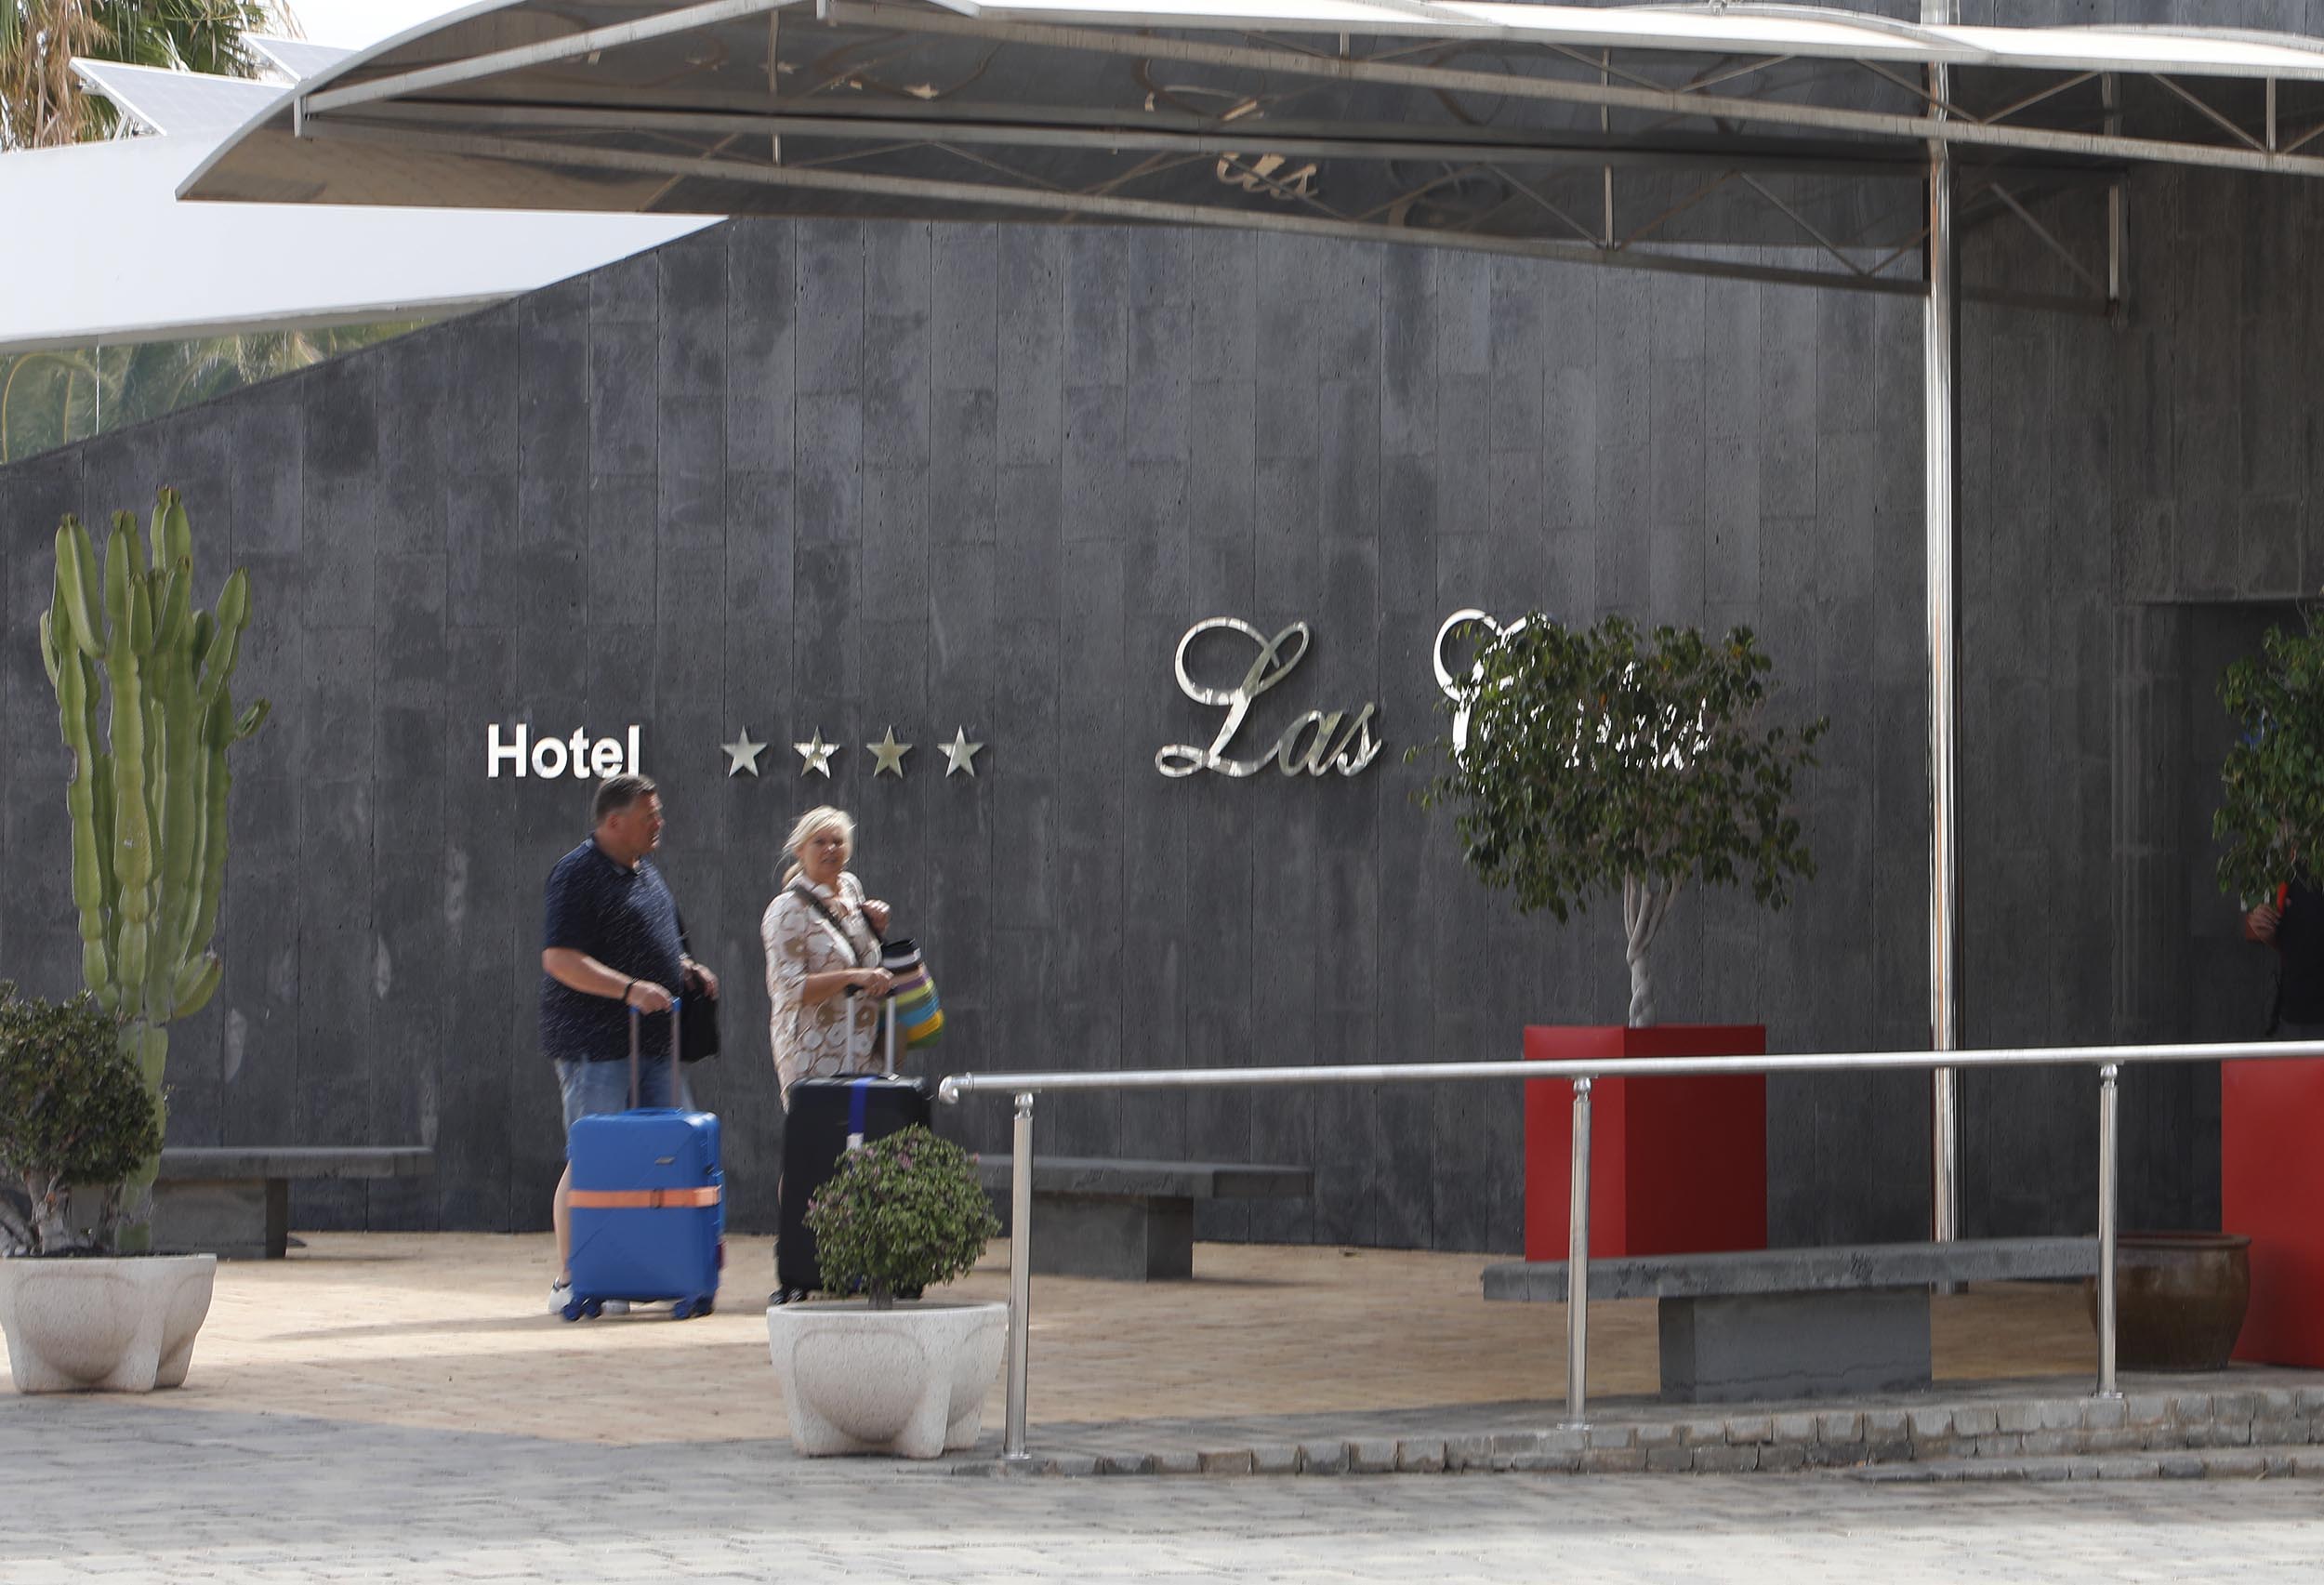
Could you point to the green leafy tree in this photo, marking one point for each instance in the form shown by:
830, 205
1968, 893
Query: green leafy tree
905, 1212
74, 1112
149, 792
42, 104
2271, 808
1582, 763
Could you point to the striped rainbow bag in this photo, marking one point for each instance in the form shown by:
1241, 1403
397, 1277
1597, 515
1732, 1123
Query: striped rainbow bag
919, 1016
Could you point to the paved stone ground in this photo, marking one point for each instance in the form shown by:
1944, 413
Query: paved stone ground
444, 1331
398, 1408
99, 1489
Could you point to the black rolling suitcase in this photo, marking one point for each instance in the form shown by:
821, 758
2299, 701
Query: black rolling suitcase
825, 1116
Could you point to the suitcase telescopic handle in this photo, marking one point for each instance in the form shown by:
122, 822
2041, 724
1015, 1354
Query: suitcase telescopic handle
674, 1052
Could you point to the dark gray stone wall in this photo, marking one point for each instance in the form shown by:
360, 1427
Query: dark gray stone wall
2139, 503
800, 476
833, 477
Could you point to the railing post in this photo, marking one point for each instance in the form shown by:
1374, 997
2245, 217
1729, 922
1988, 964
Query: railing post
1578, 1266
2108, 1171
1020, 1279
1940, 485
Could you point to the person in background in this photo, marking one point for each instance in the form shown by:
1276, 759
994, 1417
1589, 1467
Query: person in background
2293, 922
824, 980
611, 942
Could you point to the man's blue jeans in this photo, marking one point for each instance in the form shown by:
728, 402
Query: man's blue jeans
593, 1089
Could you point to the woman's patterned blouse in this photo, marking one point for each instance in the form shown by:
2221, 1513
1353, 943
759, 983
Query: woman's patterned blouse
838, 1036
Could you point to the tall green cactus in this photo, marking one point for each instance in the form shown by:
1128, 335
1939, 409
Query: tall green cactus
148, 797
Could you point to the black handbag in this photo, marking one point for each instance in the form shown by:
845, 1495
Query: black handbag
697, 1014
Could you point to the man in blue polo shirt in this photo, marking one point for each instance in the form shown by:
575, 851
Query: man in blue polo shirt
612, 942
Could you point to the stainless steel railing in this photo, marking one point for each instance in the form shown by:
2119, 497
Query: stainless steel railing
2108, 1060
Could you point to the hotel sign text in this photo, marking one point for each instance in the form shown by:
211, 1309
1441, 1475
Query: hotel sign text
1314, 741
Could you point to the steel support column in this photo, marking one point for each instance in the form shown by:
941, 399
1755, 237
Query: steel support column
1578, 1268
1940, 342
1020, 1282
2110, 1198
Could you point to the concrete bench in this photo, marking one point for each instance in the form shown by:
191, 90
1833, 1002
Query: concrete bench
1753, 1325
1131, 1220
234, 1202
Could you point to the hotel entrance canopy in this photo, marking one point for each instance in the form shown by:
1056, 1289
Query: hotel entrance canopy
1663, 137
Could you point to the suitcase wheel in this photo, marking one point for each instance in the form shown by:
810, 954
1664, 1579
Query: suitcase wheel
704, 1306
593, 1308
682, 1309
575, 1309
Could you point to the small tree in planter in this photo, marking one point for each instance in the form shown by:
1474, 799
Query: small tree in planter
1582, 763
2270, 825
74, 1112
903, 1213
2271, 806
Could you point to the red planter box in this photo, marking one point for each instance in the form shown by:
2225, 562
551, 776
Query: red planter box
1677, 1165
2271, 1183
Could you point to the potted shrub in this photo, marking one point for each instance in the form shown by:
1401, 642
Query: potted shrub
75, 1114
1586, 762
2269, 827
883, 1374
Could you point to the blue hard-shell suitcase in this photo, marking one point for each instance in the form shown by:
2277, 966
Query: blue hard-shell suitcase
648, 1204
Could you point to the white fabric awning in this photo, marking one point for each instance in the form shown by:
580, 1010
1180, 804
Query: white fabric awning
121, 259
1734, 30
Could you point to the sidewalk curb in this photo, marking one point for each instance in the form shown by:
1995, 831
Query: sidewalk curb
2251, 1433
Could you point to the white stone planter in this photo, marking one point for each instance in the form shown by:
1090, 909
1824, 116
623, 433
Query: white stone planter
107, 1325
910, 1380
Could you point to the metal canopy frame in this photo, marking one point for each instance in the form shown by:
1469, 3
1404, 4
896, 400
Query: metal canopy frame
1783, 143
1661, 137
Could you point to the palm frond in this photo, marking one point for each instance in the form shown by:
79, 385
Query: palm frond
42, 104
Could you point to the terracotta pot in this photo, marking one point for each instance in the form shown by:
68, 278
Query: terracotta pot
2178, 1298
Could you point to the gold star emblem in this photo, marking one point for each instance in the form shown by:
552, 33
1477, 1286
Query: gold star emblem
961, 754
817, 754
890, 755
742, 754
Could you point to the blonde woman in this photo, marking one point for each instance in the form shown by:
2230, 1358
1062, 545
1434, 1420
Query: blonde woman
823, 978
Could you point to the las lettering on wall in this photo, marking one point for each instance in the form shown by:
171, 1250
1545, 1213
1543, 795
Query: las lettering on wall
1316, 741
579, 755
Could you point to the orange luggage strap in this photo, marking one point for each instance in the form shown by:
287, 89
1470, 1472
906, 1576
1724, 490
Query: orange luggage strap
642, 1199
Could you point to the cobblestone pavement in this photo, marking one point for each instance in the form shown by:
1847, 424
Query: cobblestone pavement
449, 1330
98, 1488
391, 1408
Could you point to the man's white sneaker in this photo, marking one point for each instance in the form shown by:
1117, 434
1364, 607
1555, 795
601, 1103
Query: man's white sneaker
560, 1295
